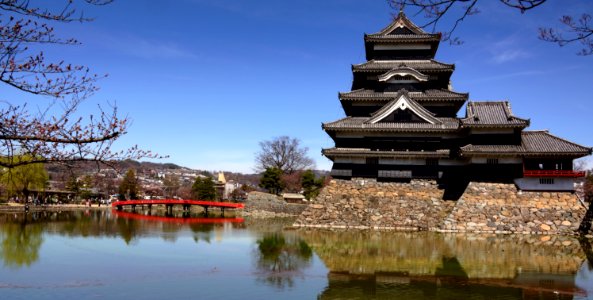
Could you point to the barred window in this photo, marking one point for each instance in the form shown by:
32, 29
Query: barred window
432, 161
546, 181
372, 161
492, 161
346, 173
395, 174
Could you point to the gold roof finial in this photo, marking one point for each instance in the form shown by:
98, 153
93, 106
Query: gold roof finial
221, 178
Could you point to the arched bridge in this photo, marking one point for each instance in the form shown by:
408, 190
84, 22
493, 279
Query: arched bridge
170, 202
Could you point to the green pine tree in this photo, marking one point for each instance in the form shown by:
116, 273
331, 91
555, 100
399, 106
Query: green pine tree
128, 188
311, 185
271, 180
203, 189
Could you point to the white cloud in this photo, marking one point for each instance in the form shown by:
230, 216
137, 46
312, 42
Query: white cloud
505, 76
508, 49
225, 160
509, 55
144, 48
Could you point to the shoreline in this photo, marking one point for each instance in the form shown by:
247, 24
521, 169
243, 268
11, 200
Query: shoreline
14, 207
261, 214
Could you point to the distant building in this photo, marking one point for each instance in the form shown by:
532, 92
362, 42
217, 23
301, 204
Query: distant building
293, 197
401, 123
224, 188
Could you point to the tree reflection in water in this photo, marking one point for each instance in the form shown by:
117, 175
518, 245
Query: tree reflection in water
128, 229
20, 243
202, 232
280, 258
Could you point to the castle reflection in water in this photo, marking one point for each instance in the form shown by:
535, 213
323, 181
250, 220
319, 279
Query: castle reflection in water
360, 264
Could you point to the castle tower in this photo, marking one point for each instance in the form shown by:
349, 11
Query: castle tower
401, 124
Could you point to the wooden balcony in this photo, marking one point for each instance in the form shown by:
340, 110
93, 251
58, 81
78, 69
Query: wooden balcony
553, 173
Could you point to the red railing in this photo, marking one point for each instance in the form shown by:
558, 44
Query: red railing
553, 173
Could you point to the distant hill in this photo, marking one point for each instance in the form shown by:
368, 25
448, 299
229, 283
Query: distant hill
139, 166
80, 168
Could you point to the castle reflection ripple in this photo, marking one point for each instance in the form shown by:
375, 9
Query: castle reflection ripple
276, 259
384, 265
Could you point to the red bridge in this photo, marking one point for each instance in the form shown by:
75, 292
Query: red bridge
185, 203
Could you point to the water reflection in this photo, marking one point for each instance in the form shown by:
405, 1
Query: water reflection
262, 255
281, 257
21, 242
381, 265
21, 234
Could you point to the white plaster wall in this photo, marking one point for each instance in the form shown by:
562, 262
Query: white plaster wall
532, 184
401, 46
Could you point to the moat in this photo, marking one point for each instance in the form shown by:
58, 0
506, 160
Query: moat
105, 255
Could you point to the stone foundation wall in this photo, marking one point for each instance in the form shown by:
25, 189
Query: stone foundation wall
502, 208
418, 205
260, 204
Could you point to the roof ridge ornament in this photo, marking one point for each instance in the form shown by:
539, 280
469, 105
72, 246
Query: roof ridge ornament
401, 21
508, 110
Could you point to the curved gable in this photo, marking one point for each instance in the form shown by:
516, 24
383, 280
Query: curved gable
402, 71
403, 102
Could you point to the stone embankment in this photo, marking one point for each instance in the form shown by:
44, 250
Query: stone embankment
260, 204
418, 205
12, 207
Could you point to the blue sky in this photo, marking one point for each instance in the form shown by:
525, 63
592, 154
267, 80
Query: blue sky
205, 80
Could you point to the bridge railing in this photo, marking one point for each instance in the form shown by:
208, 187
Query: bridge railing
553, 173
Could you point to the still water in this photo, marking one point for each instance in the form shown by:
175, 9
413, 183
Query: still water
111, 255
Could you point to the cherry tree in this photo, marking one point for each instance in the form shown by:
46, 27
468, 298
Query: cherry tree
50, 130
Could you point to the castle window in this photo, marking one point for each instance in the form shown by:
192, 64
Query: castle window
372, 161
546, 181
346, 173
492, 161
432, 161
395, 174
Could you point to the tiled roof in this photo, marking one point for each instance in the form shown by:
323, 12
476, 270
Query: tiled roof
428, 95
543, 141
359, 123
386, 65
402, 38
333, 152
532, 143
491, 113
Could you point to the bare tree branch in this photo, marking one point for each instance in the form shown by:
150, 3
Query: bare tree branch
435, 10
55, 134
581, 31
283, 153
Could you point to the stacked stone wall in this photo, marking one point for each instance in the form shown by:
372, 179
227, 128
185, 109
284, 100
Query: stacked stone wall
487, 207
260, 204
418, 205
